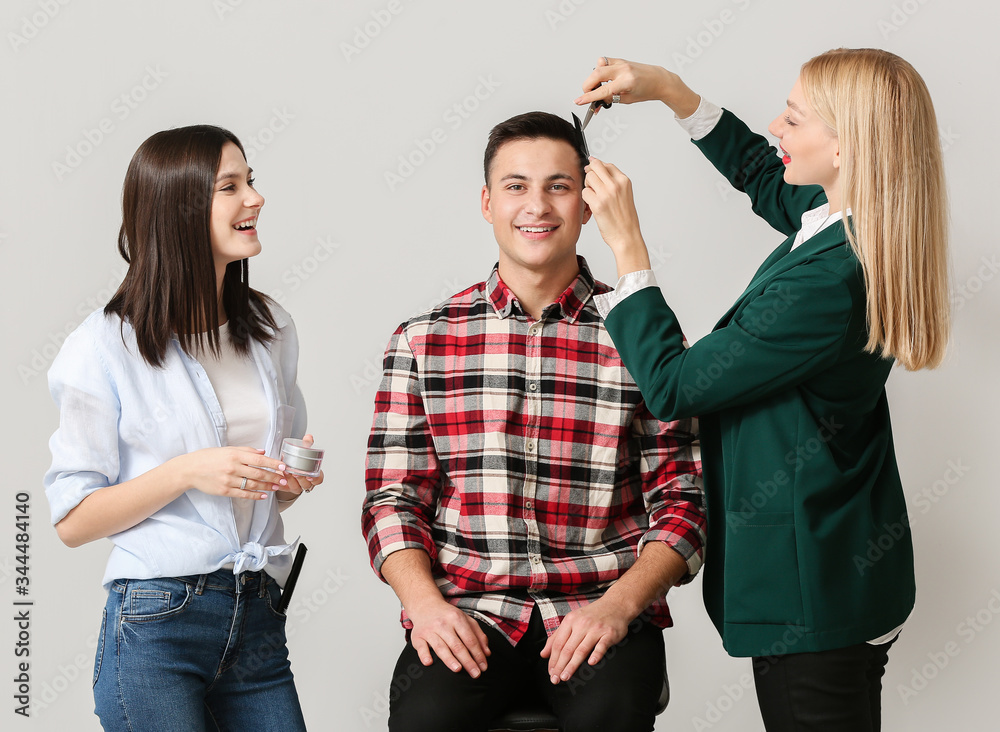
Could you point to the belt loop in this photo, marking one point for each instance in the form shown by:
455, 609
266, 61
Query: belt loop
200, 587
262, 584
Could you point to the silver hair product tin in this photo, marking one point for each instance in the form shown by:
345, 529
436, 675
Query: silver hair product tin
301, 459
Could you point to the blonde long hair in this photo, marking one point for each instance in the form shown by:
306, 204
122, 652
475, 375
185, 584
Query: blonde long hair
892, 179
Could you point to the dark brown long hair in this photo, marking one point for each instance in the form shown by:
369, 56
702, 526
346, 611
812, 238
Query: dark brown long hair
170, 286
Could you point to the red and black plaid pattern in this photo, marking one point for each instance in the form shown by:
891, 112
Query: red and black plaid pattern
520, 456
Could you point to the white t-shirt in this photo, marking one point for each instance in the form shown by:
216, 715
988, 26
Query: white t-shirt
236, 381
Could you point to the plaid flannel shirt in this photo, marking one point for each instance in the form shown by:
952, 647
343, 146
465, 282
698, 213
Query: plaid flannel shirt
521, 457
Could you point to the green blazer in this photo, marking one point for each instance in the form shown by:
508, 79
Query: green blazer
808, 540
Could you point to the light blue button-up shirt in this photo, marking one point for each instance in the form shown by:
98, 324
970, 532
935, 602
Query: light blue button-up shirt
119, 417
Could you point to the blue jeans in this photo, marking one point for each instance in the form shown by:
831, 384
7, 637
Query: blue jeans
199, 653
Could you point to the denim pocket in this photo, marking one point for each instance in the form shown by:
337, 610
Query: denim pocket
272, 596
154, 599
100, 646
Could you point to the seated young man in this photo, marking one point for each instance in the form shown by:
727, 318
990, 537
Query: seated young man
527, 509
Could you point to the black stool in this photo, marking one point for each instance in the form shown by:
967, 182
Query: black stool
533, 715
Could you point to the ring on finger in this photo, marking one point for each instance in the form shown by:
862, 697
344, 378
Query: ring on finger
606, 62
243, 485
615, 98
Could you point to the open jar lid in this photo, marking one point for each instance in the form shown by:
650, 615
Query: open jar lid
298, 448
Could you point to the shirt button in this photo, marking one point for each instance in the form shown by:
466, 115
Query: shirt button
535, 559
533, 386
528, 504
530, 446
533, 330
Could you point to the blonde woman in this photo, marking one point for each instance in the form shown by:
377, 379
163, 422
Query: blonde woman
810, 562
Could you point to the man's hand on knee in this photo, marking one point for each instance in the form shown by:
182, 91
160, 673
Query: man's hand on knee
438, 625
454, 637
585, 634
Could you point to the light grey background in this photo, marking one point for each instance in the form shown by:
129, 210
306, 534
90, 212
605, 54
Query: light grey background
327, 97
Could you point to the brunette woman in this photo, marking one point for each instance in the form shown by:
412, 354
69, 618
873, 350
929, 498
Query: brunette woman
173, 403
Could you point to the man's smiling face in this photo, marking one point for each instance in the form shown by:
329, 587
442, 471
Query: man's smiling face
534, 201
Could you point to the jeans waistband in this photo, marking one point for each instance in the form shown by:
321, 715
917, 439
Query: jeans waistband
224, 579
220, 579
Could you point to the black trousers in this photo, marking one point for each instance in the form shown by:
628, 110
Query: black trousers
619, 694
829, 691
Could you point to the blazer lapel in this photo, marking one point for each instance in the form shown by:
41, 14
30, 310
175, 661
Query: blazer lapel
782, 259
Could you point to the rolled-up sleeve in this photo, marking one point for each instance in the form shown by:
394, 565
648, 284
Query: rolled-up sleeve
402, 473
85, 455
670, 467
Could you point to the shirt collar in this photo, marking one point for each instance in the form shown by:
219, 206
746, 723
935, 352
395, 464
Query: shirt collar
820, 215
568, 305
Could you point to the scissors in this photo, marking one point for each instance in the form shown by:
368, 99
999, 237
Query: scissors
581, 126
594, 107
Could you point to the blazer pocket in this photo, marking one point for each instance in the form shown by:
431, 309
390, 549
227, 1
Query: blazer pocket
762, 584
